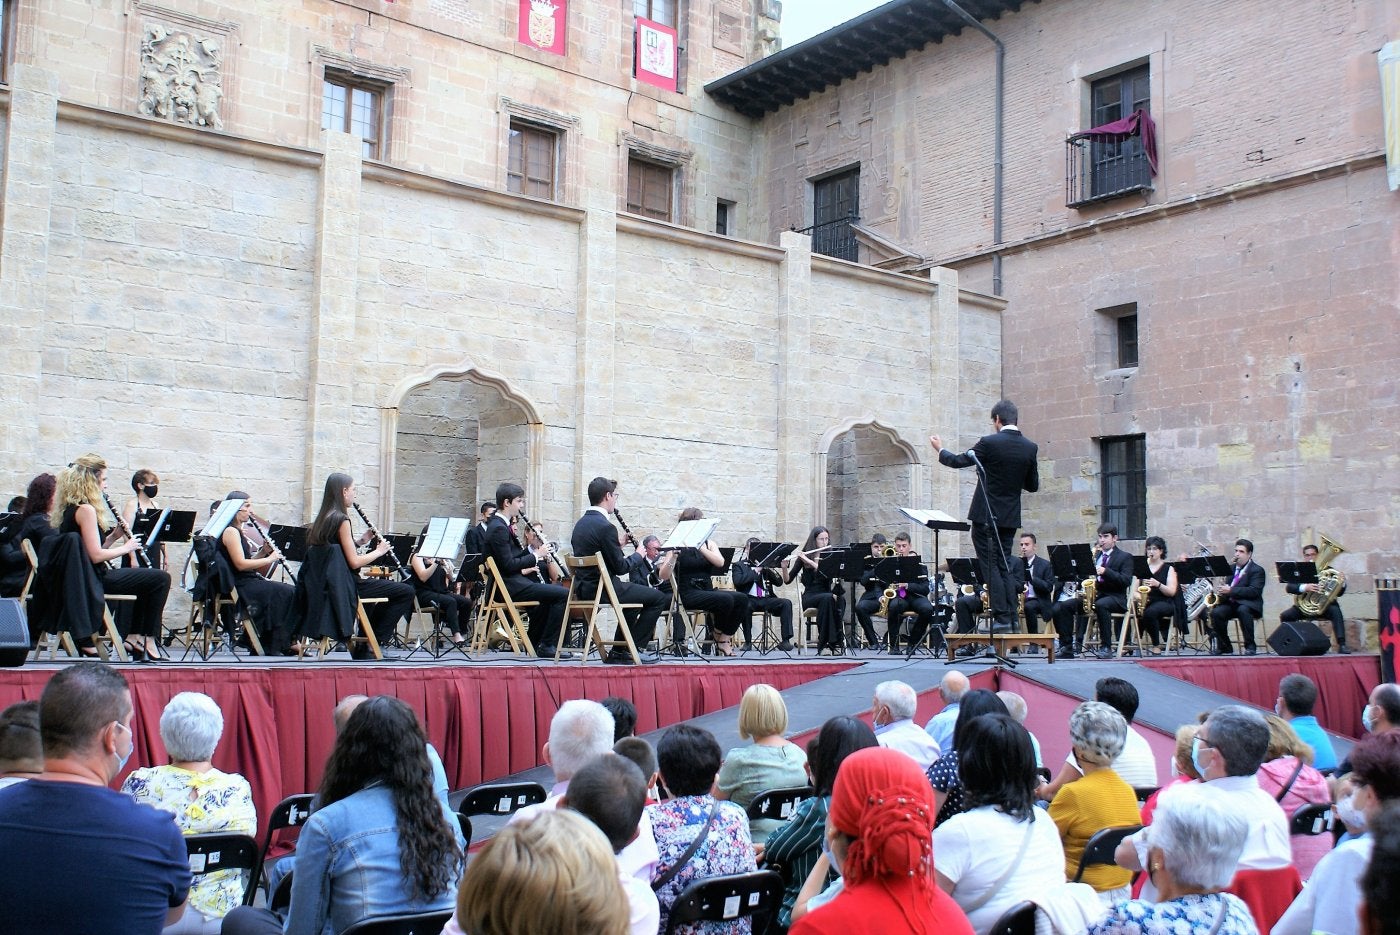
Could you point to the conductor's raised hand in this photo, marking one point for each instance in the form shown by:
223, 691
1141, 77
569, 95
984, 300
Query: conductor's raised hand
936, 441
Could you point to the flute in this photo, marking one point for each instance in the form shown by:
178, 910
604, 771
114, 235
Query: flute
398, 565
142, 559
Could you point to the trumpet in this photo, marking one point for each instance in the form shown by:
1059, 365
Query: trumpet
888, 552
142, 559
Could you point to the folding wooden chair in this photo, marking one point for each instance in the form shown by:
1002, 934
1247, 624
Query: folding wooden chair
589, 607
43, 639
499, 610
205, 631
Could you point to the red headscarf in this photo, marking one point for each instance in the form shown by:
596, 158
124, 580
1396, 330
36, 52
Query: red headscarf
883, 800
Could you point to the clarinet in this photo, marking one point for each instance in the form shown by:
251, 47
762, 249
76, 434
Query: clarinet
142, 559
563, 572
267, 537
625, 531
398, 565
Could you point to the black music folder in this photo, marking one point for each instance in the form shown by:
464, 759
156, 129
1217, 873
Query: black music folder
965, 571
1297, 572
1072, 562
290, 541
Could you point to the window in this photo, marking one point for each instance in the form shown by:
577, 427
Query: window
7, 45
1127, 341
658, 11
1124, 470
1103, 168
835, 206
650, 188
1117, 336
530, 170
353, 105
725, 217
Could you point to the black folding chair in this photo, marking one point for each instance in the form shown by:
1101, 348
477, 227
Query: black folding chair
1310, 820
732, 896
1101, 846
416, 923
289, 813
494, 798
779, 803
1144, 793
210, 853
1018, 920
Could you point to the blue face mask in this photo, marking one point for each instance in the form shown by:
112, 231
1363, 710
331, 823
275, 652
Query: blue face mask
1196, 757
1366, 719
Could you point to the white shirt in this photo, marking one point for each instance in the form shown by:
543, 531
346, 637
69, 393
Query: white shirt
974, 849
1135, 764
1328, 901
644, 915
910, 739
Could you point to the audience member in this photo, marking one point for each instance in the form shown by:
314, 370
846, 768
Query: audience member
1003, 849
1288, 776
1382, 711
78, 856
379, 842
341, 714
624, 714
797, 845
203, 800
1182, 769
1016, 707
611, 792
893, 709
1330, 901
951, 689
880, 837
770, 762
553, 874
1135, 765
1098, 800
1193, 848
944, 775
689, 759
641, 753
21, 750
1379, 911
1297, 695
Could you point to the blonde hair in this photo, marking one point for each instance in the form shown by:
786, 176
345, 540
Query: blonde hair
554, 873
1284, 741
1185, 738
81, 483
762, 712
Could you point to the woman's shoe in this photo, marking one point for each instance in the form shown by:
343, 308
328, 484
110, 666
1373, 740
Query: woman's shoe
724, 648
136, 653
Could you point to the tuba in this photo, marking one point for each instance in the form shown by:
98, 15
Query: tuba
1330, 581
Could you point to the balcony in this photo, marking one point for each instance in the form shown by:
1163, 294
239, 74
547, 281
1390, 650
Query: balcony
834, 238
1099, 169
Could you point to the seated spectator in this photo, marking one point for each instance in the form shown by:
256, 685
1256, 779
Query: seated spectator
1287, 775
689, 759
379, 842
553, 874
611, 792
1003, 849
1379, 911
1345, 812
943, 775
1016, 707
203, 800
21, 750
624, 715
641, 753
951, 689
1182, 769
893, 710
1098, 800
1297, 696
770, 762
796, 845
1135, 765
1193, 847
78, 856
880, 835
1330, 901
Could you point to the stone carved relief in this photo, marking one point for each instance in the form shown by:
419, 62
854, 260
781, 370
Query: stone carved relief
181, 77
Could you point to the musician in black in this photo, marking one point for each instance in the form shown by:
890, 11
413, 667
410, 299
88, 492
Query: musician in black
469, 575
760, 585
1162, 588
1332, 612
433, 585
270, 604
645, 565
819, 592
869, 602
1114, 576
692, 573
29, 523
519, 568
910, 596
552, 570
595, 534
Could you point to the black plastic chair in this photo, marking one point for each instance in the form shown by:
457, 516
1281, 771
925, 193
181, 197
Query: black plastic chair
210, 853
1310, 820
416, 923
779, 803
729, 897
1018, 920
1144, 793
1101, 846
494, 798
291, 812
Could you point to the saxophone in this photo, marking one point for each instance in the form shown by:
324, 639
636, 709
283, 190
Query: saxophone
1330, 581
1088, 590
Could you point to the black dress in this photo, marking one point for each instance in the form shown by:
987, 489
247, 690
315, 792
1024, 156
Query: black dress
728, 609
1159, 607
817, 595
150, 586
271, 604
14, 564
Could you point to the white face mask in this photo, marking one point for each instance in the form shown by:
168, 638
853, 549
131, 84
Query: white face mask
1348, 813
1366, 720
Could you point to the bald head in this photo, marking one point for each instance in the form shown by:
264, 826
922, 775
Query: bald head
347, 707
953, 687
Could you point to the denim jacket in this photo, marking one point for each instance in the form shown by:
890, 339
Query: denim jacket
347, 867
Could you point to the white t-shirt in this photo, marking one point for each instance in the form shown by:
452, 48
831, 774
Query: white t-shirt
1329, 900
974, 849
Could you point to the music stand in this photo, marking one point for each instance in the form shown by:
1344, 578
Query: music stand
1072, 563
1298, 573
767, 556
689, 534
855, 553
402, 546
289, 540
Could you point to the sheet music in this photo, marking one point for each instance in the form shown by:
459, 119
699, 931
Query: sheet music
924, 517
221, 518
690, 534
444, 537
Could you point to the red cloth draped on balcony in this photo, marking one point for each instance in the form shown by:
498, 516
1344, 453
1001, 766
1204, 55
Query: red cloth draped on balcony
1138, 123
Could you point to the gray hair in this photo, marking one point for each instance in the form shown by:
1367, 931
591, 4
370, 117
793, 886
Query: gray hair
1201, 837
580, 731
1097, 731
1241, 736
1015, 705
899, 697
190, 727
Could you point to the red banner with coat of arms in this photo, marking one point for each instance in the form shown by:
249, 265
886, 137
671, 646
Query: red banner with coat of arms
542, 24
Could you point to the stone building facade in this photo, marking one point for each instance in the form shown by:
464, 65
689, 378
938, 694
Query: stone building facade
1252, 281
198, 278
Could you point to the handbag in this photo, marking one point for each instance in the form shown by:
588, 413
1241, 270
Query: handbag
675, 868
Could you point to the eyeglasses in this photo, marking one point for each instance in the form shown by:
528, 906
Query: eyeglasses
1205, 743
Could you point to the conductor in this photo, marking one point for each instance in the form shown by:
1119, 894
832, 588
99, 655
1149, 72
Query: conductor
1006, 465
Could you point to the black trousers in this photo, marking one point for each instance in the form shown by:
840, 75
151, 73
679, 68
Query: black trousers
1154, 618
966, 609
828, 618
994, 555
271, 606
1070, 623
1221, 615
151, 588
1333, 613
869, 603
1105, 605
547, 619
901, 605
780, 606
452, 608
640, 623
384, 618
1035, 613
728, 609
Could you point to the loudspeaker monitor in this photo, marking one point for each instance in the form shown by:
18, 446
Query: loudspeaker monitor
14, 633
1299, 638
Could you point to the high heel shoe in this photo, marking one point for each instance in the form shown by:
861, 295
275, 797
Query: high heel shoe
724, 648
135, 653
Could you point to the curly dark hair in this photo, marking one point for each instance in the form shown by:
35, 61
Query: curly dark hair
39, 497
382, 743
